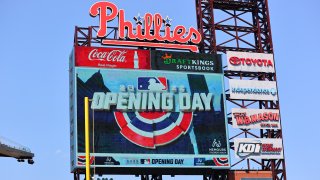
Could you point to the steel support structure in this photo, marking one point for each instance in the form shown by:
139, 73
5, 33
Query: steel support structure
216, 175
87, 36
76, 175
243, 25
151, 177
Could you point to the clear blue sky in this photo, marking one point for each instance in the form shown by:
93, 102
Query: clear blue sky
36, 40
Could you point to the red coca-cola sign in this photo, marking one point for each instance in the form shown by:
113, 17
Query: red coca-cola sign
112, 58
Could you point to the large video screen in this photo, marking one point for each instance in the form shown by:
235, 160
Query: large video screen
151, 118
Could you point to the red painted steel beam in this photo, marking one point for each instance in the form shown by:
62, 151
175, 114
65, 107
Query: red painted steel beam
250, 19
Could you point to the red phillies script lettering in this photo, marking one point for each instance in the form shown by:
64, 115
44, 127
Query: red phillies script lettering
236, 61
150, 32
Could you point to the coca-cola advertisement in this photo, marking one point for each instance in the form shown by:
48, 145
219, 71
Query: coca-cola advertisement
112, 58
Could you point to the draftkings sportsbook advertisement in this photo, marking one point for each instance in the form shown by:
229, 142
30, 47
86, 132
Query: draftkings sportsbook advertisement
150, 118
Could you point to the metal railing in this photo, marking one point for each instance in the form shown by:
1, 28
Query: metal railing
11, 144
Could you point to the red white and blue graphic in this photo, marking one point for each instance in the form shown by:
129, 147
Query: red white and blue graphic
157, 118
152, 84
152, 129
82, 160
221, 161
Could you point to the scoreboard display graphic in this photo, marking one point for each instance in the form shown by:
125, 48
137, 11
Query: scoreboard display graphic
150, 118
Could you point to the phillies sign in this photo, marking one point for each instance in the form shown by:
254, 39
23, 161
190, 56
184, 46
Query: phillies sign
148, 32
112, 58
251, 62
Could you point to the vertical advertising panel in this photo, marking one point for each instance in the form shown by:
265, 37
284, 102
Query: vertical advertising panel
252, 62
112, 58
249, 148
253, 90
72, 110
153, 119
250, 175
256, 118
184, 61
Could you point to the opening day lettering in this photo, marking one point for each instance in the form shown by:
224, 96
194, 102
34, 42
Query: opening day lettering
151, 101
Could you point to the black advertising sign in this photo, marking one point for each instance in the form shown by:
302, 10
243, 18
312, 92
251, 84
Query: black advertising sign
185, 61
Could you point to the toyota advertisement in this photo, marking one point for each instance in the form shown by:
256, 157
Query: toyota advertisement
250, 148
146, 118
250, 62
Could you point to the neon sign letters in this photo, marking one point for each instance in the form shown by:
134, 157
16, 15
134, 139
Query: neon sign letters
151, 30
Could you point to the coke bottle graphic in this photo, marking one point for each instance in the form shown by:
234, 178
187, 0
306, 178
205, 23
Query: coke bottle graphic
136, 60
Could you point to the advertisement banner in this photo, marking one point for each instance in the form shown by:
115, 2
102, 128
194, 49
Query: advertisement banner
256, 118
112, 58
184, 61
250, 148
253, 90
250, 175
153, 119
251, 62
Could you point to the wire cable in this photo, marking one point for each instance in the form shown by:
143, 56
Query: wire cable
93, 144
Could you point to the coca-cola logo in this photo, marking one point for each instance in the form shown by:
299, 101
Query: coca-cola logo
237, 61
108, 56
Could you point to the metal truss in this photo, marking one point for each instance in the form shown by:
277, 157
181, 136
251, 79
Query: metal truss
216, 175
205, 22
151, 177
245, 23
87, 36
76, 175
244, 26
